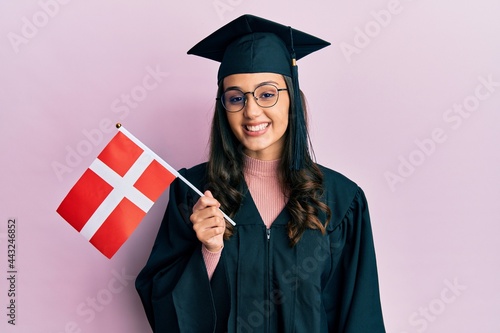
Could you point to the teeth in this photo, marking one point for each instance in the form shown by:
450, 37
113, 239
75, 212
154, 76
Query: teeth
257, 128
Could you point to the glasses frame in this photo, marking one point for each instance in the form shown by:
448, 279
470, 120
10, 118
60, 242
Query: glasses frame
253, 94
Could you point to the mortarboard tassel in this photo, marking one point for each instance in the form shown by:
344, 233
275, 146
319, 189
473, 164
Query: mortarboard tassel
299, 133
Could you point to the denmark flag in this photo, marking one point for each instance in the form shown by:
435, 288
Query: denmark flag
113, 195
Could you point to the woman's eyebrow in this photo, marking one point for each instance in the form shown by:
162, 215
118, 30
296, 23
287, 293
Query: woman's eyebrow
232, 87
258, 85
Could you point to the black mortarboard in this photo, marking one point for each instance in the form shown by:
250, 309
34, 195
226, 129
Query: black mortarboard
251, 44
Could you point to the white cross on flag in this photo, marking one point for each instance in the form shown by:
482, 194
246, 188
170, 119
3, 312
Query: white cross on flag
113, 195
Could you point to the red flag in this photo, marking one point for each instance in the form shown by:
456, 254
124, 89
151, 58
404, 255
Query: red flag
113, 195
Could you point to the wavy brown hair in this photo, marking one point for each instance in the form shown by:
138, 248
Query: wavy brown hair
304, 187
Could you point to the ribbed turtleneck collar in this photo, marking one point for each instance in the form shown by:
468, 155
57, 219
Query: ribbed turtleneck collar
261, 168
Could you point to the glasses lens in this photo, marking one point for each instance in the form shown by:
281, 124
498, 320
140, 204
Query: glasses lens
233, 100
267, 95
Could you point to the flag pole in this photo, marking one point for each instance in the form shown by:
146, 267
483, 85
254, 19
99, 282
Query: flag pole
167, 166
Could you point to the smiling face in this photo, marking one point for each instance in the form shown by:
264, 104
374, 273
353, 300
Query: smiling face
260, 130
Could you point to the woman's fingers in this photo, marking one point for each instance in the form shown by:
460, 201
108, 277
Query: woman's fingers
206, 201
210, 232
208, 222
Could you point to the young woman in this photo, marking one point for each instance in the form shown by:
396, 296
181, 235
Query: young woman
300, 257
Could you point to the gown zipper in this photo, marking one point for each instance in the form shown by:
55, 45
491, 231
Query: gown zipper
268, 309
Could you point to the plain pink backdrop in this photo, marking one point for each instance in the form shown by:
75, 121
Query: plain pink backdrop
398, 103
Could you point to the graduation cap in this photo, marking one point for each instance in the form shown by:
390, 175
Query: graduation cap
250, 44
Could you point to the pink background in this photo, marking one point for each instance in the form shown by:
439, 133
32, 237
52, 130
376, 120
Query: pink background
384, 100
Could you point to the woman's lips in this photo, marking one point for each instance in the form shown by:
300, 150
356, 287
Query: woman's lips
256, 128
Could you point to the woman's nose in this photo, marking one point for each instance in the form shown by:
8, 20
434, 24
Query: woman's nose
252, 109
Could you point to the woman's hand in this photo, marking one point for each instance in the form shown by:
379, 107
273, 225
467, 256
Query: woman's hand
208, 222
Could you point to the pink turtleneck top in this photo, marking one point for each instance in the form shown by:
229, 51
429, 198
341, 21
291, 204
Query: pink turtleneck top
263, 182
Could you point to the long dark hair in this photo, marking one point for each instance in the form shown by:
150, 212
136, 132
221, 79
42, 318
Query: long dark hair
225, 175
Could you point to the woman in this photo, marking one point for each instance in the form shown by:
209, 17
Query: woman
300, 257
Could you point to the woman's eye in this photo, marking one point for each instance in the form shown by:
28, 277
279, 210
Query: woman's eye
267, 95
235, 99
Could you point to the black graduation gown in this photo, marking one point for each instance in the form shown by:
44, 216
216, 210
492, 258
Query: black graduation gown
326, 283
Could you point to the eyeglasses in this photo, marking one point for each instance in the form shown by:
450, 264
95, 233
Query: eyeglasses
265, 95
